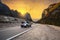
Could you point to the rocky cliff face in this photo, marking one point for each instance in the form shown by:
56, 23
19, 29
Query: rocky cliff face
51, 15
4, 9
15, 13
28, 17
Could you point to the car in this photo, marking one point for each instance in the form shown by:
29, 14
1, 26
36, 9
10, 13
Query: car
25, 24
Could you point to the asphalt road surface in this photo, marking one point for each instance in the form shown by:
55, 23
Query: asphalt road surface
41, 32
8, 32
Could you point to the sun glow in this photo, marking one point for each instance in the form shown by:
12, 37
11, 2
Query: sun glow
22, 11
35, 9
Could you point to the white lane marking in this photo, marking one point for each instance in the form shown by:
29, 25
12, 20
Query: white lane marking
18, 34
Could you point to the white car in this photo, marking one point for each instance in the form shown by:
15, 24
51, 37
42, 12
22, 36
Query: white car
25, 24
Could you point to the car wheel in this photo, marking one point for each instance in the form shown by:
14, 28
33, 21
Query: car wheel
30, 25
21, 26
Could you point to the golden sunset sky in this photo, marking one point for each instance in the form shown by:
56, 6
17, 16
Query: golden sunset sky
34, 7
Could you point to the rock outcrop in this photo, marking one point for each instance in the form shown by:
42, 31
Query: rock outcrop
4, 9
28, 17
51, 15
